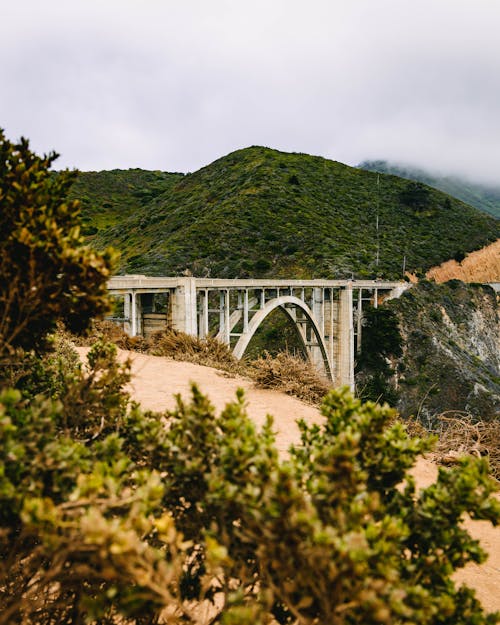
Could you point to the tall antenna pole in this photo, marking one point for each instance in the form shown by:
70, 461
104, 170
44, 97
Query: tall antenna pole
377, 257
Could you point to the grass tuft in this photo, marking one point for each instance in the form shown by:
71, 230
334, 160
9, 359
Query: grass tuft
463, 435
290, 375
181, 346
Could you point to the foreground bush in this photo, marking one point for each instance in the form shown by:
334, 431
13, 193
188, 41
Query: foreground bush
109, 515
47, 273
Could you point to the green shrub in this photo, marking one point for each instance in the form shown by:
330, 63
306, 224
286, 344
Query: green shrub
262, 265
381, 344
108, 514
47, 274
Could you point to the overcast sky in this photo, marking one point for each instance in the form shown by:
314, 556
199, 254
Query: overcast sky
174, 85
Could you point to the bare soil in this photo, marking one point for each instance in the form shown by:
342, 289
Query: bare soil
156, 381
480, 266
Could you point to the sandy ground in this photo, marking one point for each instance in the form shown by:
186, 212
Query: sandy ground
156, 380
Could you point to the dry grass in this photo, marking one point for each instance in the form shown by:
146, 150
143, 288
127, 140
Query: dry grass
168, 343
480, 266
180, 346
290, 375
459, 434
462, 435
283, 372
111, 332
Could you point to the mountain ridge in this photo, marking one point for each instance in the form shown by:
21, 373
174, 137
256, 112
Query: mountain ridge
261, 212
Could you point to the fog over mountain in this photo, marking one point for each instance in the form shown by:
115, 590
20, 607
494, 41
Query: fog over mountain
170, 85
485, 197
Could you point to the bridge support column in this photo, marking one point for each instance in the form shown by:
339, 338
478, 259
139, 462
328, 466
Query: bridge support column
345, 352
245, 310
126, 313
203, 325
135, 315
330, 322
183, 307
359, 321
318, 310
224, 317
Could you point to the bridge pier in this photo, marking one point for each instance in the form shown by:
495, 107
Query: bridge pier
183, 307
328, 322
345, 342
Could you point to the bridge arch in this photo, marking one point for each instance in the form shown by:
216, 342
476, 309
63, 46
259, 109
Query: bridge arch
287, 302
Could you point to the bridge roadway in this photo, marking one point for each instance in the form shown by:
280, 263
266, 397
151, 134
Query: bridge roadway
327, 314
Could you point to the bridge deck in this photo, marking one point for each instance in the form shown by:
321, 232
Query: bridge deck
127, 282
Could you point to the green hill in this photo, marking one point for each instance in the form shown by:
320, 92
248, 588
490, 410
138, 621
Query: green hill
109, 197
259, 212
483, 197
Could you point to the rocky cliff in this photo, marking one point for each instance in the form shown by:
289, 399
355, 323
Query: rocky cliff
450, 350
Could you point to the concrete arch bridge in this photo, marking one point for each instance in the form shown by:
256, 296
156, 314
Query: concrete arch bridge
327, 314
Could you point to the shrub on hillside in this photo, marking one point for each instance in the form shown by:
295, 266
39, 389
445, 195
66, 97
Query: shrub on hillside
381, 344
113, 515
110, 332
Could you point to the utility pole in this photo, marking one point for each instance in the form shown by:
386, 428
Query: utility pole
377, 256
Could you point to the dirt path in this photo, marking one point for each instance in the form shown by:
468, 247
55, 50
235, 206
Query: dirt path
156, 380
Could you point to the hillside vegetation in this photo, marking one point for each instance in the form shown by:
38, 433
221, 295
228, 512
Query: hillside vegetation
108, 197
481, 196
260, 212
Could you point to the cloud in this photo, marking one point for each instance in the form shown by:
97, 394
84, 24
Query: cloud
170, 85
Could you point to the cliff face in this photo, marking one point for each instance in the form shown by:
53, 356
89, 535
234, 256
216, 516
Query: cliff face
451, 350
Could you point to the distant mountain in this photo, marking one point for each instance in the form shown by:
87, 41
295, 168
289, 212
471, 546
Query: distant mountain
260, 212
483, 197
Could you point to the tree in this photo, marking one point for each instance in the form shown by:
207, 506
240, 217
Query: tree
114, 515
417, 196
381, 342
47, 274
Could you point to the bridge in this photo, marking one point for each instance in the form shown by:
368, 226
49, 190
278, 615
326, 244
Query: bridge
327, 314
